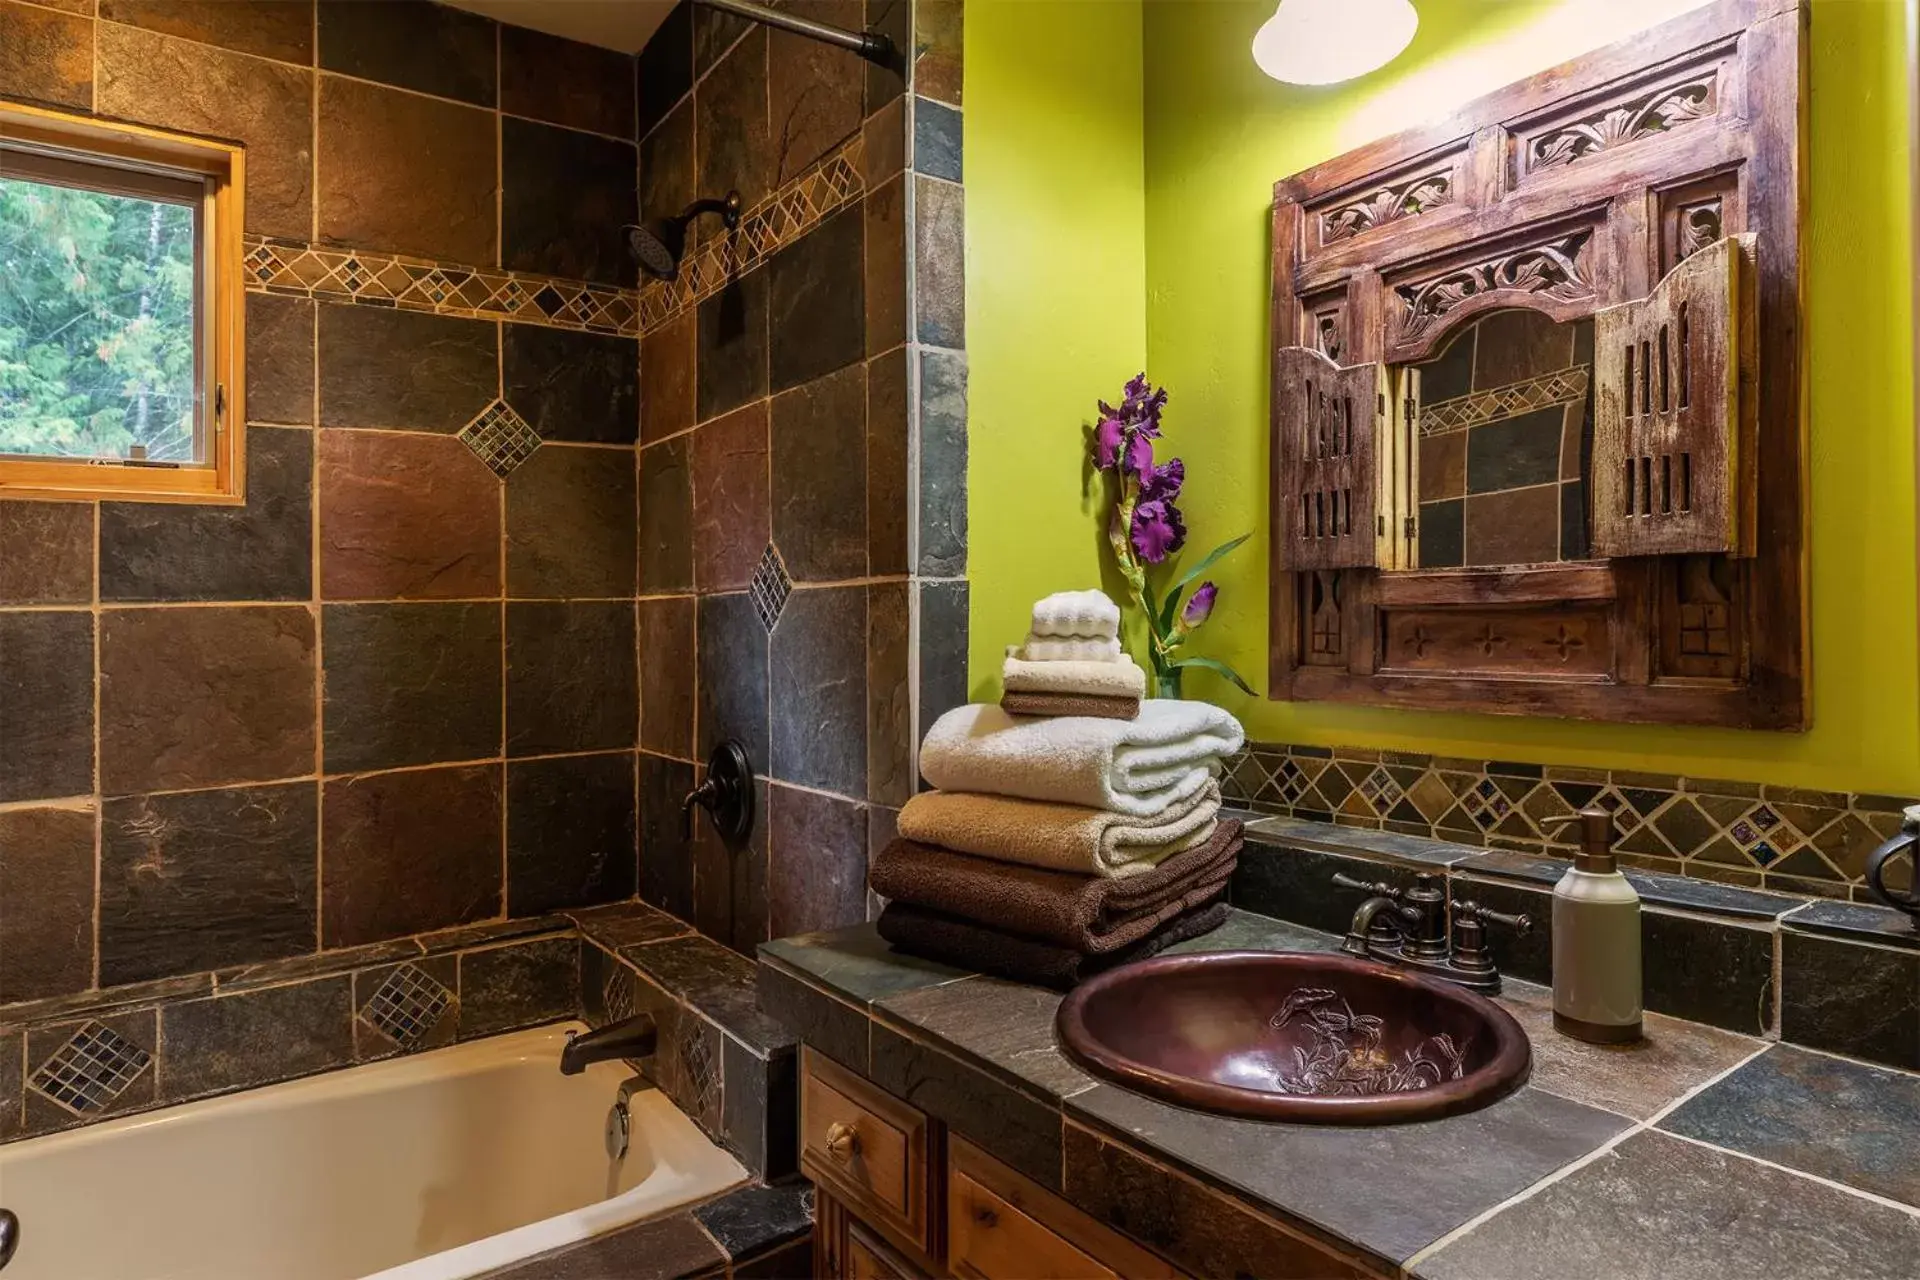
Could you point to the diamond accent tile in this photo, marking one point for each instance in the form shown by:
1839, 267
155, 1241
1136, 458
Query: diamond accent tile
770, 587
500, 438
1381, 789
90, 1070
1486, 804
617, 995
407, 1006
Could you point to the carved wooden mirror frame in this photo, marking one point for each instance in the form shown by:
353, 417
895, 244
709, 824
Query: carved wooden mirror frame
1656, 187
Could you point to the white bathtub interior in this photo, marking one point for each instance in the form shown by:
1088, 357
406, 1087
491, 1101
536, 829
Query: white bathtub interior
439, 1166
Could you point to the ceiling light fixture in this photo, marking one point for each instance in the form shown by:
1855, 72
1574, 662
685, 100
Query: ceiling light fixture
1327, 41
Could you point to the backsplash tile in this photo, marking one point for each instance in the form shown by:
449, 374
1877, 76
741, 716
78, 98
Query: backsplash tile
408, 1005
1778, 838
47, 926
46, 705
500, 438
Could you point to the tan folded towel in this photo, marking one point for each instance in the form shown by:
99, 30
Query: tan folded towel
1059, 837
1069, 704
1120, 679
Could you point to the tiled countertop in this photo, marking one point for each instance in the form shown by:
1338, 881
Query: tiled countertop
1701, 1153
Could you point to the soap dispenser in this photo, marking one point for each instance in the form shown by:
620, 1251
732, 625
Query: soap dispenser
1596, 941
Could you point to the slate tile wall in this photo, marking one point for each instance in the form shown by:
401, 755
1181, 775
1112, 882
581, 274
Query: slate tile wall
402, 640
796, 412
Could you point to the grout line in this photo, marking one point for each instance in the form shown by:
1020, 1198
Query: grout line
1572, 1167
1911, 1211
317, 593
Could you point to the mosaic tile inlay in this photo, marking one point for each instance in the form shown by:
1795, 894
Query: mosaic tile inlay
779, 219
1782, 838
500, 438
1565, 386
407, 1006
92, 1069
770, 587
417, 284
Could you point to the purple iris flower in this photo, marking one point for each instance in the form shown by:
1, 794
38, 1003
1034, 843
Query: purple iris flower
1162, 483
1139, 459
1158, 530
1107, 438
1199, 605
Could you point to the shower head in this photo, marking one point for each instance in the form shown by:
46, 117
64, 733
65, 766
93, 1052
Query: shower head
658, 244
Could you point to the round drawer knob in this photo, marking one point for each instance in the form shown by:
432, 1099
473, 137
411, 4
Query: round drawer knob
843, 1142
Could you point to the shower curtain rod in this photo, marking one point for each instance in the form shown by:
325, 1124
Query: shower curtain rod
871, 45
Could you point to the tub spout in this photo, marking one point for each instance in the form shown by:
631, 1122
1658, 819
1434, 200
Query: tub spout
634, 1038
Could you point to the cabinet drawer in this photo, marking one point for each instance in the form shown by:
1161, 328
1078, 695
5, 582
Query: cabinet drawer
1002, 1227
868, 1148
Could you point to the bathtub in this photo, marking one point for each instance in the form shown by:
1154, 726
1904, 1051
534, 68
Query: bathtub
443, 1165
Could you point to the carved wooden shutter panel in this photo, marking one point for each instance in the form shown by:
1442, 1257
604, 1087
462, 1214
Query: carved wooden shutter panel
1668, 432
1327, 440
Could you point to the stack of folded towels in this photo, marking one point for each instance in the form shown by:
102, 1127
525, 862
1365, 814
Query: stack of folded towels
1057, 846
1072, 663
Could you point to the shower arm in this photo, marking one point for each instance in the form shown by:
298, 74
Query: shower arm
871, 45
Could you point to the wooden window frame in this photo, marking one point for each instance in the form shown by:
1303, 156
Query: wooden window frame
157, 164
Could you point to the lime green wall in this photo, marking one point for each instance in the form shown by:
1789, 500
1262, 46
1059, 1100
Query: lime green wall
1056, 291
1052, 244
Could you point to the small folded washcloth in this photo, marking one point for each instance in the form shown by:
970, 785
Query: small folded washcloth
1138, 767
1072, 649
1058, 837
1069, 704
1121, 678
966, 945
1088, 614
1093, 915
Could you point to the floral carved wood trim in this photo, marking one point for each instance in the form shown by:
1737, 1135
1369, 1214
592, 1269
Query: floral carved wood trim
1700, 225
1386, 204
1666, 108
1551, 269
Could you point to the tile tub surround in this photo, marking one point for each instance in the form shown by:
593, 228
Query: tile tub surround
1755, 1123
802, 534
1760, 836
724, 1062
1842, 977
73, 1060
389, 643
750, 1231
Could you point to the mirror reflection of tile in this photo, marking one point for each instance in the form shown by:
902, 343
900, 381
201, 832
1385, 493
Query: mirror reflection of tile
1506, 441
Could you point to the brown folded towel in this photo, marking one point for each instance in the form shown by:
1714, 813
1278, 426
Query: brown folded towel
967, 945
1070, 704
1090, 914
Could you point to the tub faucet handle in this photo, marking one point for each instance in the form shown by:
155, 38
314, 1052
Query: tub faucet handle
9, 1235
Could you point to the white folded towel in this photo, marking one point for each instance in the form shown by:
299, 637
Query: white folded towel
1071, 649
1088, 614
1137, 767
1121, 679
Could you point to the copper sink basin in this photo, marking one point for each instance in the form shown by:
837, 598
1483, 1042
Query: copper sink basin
1305, 1037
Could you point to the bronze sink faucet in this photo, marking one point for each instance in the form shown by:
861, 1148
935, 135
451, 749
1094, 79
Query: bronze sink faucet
1409, 928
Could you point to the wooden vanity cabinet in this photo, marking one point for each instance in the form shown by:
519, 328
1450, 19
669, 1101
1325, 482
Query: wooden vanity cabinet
897, 1197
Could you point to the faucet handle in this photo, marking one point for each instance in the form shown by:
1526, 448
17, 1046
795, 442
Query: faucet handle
1468, 912
1378, 888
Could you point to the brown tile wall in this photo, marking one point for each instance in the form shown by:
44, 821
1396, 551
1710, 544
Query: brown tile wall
780, 563
395, 692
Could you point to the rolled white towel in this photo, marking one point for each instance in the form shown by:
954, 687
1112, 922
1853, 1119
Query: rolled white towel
1071, 649
1138, 767
1086, 614
1103, 679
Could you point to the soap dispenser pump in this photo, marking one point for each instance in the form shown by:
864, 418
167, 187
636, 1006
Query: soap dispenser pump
1596, 940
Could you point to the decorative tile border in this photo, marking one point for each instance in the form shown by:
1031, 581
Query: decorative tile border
1761, 836
418, 284
1565, 386
779, 219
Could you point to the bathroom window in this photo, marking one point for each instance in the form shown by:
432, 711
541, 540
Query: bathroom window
120, 312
